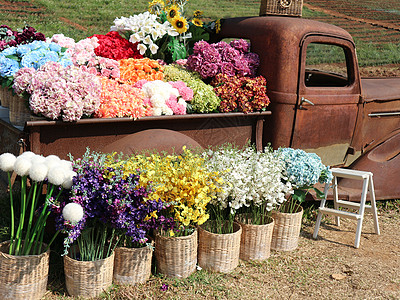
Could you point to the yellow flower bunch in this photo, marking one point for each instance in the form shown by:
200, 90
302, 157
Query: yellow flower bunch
180, 180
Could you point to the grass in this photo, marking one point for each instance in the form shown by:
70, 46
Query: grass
81, 19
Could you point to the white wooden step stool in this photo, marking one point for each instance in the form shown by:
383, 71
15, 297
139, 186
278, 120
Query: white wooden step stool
368, 186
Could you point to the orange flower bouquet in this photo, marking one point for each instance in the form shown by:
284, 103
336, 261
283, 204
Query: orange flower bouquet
133, 70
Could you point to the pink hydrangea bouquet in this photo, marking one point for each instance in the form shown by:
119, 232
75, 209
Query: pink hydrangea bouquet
231, 59
57, 92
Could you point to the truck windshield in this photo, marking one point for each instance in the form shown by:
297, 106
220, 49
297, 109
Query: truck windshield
325, 66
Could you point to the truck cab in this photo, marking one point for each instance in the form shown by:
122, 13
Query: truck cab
319, 102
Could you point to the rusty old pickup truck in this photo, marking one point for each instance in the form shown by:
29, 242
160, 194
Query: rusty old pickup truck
319, 103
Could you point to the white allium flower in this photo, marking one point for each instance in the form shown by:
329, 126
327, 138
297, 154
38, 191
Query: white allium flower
66, 164
51, 161
72, 212
28, 154
38, 159
22, 166
38, 172
56, 175
67, 184
7, 161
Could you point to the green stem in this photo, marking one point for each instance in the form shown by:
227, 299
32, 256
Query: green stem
31, 215
39, 227
12, 214
22, 219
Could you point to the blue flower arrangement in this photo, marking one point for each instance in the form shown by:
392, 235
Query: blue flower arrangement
303, 170
32, 55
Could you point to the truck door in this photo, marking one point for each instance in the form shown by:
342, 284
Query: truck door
328, 97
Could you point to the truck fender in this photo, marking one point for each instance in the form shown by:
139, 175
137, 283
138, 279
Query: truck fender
383, 160
161, 140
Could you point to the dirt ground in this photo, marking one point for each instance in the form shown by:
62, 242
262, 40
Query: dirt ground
326, 268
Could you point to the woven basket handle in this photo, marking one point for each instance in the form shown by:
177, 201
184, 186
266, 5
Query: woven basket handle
285, 3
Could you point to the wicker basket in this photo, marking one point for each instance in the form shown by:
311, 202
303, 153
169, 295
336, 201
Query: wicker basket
132, 265
176, 256
255, 242
219, 252
88, 278
281, 7
5, 95
22, 277
285, 236
19, 112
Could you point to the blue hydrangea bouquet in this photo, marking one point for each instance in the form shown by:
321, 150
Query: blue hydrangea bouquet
303, 170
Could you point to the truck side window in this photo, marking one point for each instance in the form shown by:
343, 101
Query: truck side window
325, 66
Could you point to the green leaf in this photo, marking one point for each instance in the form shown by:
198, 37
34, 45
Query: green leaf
12, 56
299, 195
177, 49
320, 194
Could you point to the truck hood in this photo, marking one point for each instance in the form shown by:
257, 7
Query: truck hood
380, 89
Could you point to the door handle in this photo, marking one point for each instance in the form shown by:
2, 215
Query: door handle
304, 100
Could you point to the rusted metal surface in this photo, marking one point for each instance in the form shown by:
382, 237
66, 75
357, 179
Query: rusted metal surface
161, 140
345, 125
281, 43
61, 138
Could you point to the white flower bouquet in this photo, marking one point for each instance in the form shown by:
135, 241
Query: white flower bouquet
252, 182
36, 175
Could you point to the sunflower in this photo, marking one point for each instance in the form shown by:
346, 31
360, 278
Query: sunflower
180, 24
197, 13
156, 6
197, 22
172, 12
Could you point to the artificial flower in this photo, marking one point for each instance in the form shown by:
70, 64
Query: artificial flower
180, 24
133, 70
72, 212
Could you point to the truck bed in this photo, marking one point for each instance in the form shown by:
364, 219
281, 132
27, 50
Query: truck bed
380, 89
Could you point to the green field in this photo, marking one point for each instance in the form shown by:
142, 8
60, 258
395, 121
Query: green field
376, 45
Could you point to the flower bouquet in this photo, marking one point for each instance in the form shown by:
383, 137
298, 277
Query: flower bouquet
204, 98
59, 92
116, 212
11, 38
303, 170
165, 31
240, 93
24, 260
251, 185
186, 186
231, 59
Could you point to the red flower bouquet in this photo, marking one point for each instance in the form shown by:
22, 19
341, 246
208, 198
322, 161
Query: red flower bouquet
113, 46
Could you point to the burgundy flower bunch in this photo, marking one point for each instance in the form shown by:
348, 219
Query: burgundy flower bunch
230, 59
113, 46
241, 94
10, 38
